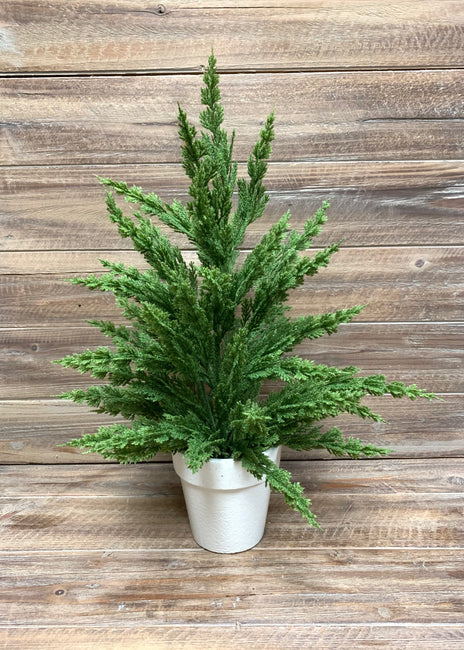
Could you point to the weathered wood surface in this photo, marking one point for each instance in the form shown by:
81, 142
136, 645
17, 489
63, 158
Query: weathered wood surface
386, 115
391, 553
397, 284
238, 635
33, 429
430, 354
386, 569
371, 115
160, 521
178, 34
154, 588
156, 519
388, 203
374, 476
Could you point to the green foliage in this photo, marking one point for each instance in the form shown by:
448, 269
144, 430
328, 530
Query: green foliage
187, 370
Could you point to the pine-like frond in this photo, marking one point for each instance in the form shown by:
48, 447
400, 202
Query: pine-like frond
333, 442
280, 481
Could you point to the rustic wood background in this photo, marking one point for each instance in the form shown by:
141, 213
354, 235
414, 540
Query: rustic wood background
369, 101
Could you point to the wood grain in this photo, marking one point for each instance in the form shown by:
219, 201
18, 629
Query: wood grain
325, 584
398, 284
160, 522
153, 588
409, 115
388, 203
33, 429
428, 354
238, 635
118, 35
351, 519
369, 476
368, 99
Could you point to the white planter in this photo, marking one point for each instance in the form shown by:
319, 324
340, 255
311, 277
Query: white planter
227, 506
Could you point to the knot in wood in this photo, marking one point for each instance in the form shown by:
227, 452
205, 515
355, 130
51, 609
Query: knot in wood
160, 10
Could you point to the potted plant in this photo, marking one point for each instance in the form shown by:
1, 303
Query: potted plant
187, 369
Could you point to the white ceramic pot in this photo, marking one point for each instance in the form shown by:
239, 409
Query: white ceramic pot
227, 506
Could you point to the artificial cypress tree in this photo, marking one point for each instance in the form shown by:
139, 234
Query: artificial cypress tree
187, 369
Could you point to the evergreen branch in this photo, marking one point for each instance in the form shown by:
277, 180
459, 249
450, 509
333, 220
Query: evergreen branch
249, 422
252, 197
270, 341
310, 266
128, 282
175, 215
213, 115
191, 149
178, 345
116, 332
333, 442
115, 400
147, 239
144, 439
312, 327
100, 363
231, 374
280, 481
285, 272
140, 442
312, 227
201, 441
257, 263
397, 389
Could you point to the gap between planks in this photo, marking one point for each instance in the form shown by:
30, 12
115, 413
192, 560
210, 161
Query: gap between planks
126, 497
234, 625
189, 251
274, 549
294, 161
165, 72
282, 163
162, 462
104, 463
365, 322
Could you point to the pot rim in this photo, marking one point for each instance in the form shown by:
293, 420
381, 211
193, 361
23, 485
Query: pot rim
221, 473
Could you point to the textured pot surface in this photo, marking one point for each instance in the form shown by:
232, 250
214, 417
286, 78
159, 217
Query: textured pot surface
227, 506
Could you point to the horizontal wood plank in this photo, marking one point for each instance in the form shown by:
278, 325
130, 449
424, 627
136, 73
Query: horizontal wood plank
397, 284
236, 635
160, 521
369, 476
153, 588
409, 115
33, 430
429, 354
389, 203
177, 36
357, 518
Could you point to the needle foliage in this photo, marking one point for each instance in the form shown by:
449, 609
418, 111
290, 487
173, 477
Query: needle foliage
186, 371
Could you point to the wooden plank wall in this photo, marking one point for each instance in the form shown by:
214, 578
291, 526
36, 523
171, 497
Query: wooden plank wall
369, 104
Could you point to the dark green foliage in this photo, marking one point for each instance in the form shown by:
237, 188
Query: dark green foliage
187, 370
